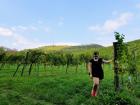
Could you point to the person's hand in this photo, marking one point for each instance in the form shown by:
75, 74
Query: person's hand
90, 76
111, 60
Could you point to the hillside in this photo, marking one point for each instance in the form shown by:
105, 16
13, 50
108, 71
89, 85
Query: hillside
6, 49
134, 44
85, 47
135, 41
52, 48
131, 44
69, 48
81, 48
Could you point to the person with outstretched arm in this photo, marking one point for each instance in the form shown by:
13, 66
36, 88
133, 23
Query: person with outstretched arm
96, 71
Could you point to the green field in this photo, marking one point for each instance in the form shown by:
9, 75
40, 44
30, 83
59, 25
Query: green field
55, 87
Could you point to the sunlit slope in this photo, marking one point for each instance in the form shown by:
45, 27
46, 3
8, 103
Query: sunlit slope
69, 48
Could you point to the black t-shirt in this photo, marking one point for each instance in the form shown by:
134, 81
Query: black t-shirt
97, 70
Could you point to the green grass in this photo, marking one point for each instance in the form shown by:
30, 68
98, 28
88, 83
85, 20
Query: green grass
54, 87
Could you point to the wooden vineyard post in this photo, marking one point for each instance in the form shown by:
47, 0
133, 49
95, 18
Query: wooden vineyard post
116, 46
25, 63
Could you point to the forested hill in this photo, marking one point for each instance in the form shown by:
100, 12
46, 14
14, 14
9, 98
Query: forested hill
90, 46
69, 48
132, 44
6, 49
135, 41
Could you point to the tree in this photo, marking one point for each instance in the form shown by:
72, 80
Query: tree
69, 60
120, 60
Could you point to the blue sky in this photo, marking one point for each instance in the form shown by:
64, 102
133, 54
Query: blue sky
34, 23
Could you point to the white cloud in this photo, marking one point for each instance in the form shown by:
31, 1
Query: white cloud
138, 5
21, 42
17, 40
27, 44
6, 32
112, 24
24, 28
67, 43
33, 28
16, 36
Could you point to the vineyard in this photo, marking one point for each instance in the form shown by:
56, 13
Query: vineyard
58, 75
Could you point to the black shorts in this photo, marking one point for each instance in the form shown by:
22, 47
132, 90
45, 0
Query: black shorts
98, 75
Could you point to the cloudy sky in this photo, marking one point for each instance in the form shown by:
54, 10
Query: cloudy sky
34, 23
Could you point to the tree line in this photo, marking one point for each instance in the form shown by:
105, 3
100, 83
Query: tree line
36, 57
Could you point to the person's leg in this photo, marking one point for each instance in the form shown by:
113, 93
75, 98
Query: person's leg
95, 86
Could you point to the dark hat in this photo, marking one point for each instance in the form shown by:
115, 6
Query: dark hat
96, 53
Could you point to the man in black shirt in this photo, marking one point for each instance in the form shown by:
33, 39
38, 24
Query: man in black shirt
96, 71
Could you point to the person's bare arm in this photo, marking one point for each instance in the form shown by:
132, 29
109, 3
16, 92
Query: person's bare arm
107, 61
90, 69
